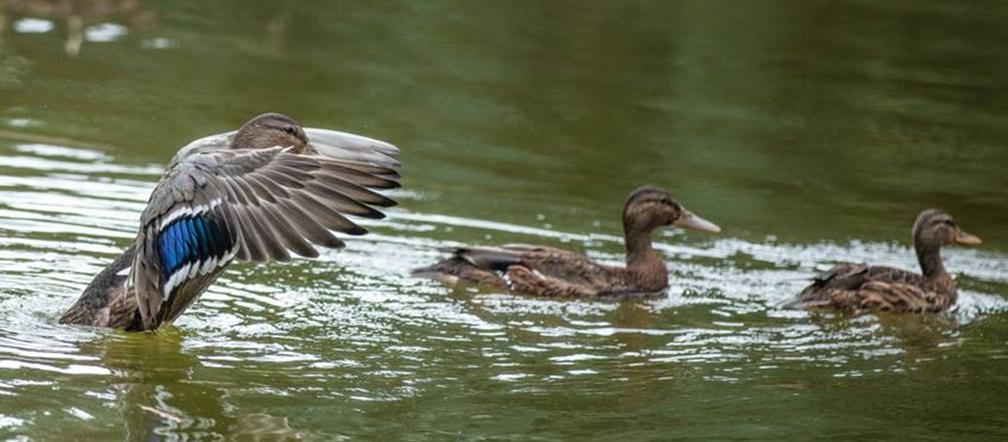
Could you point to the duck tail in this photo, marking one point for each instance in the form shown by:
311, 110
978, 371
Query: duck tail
812, 297
455, 269
489, 258
106, 287
797, 304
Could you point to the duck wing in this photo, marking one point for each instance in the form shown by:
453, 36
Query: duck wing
353, 147
888, 296
478, 265
328, 143
213, 207
542, 270
852, 276
546, 260
842, 286
571, 267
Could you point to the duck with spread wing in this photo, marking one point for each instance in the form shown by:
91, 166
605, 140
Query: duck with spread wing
256, 194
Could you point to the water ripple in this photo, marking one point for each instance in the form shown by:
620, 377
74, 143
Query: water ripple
354, 326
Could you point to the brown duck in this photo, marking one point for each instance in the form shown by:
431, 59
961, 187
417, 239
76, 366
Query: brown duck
548, 271
859, 288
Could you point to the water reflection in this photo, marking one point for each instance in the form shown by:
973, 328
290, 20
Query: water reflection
82, 20
155, 390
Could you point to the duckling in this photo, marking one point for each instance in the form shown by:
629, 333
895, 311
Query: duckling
553, 272
859, 288
256, 194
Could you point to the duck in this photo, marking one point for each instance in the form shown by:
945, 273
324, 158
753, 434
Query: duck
862, 288
261, 193
557, 273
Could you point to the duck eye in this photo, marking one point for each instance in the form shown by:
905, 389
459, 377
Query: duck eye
290, 130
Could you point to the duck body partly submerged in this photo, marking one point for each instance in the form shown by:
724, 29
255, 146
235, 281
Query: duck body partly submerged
545, 271
553, 272
107, 300
860, 288
256, 194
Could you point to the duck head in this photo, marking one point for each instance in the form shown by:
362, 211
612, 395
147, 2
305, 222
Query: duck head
650, 207
934, 229
262, 132
271, 130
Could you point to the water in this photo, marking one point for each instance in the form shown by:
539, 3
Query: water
812, 132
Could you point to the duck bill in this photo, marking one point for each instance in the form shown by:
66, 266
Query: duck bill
690, 220
967, 239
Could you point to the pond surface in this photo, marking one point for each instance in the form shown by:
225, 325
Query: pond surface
812, 132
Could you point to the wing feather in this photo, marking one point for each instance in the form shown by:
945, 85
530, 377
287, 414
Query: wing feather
357, 191
288, 234
338, 201
267, 202
308, 227
326, 216
363, 178
346, 146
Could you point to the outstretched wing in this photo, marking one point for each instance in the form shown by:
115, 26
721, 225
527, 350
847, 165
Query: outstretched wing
328, 143
352, 147
211, 208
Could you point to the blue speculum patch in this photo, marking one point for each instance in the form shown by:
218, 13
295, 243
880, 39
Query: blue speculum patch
188, 240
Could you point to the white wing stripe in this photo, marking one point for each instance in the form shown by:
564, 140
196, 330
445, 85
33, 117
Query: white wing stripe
190, 270
184, 211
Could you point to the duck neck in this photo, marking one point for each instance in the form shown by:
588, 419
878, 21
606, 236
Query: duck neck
642, 262
930, 259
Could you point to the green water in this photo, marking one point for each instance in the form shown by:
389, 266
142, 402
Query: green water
811, 131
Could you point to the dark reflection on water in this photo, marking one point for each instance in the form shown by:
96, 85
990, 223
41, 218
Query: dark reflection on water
811, 131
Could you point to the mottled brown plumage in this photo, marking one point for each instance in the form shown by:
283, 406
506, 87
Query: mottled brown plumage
548, 271
859, 288
105, 301
257, 194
